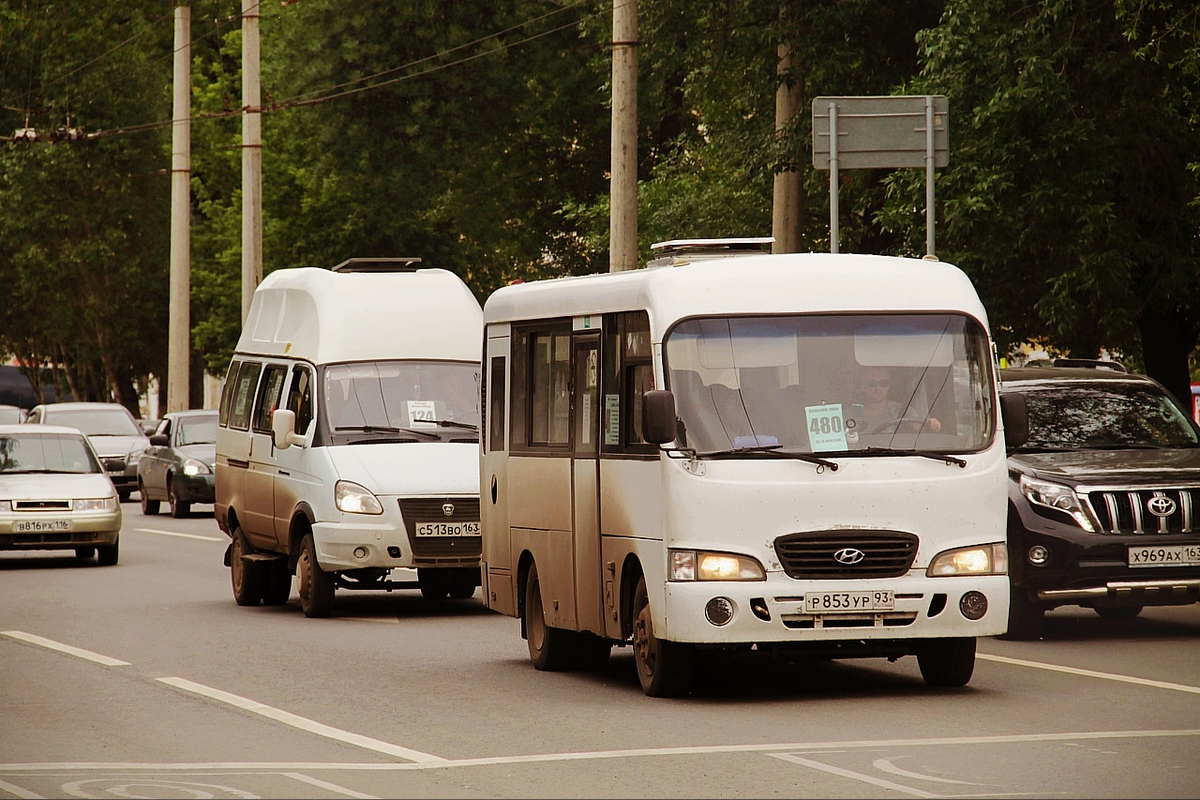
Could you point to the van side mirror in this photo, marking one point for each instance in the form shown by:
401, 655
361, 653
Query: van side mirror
1015, 414
658, 416
283, 424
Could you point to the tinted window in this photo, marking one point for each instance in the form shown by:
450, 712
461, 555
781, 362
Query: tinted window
1105, 415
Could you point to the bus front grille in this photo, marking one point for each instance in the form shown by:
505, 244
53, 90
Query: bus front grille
846, 554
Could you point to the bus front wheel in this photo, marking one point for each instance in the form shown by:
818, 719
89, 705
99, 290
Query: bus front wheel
947, 662
550, 649
664, 668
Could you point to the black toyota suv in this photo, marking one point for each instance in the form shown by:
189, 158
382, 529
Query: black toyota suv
1104, 496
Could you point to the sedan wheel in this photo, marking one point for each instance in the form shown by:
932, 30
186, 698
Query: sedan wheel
149, 507
179, 510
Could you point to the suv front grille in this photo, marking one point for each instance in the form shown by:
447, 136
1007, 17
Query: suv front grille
885, 554
1145, 511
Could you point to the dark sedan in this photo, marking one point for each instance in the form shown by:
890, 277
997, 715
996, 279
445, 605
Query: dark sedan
178, 466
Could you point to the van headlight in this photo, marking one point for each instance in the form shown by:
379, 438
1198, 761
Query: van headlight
986, 559
702, 565
355, 499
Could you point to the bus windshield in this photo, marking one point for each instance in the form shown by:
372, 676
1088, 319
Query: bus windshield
858, 385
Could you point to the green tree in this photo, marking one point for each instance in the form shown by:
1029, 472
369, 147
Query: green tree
85, 224
1071, 193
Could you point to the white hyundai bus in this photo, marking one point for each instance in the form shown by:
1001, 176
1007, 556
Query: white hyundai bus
689, 458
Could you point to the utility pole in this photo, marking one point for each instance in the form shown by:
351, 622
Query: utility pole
179, 326
252, 244
787, 195
622, 225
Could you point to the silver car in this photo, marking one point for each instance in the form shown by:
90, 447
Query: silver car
55, 495
113, 431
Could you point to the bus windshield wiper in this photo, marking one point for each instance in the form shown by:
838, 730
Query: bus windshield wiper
771, 450
898, 451
449, 423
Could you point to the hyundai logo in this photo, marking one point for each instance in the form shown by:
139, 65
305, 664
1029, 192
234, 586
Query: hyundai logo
448, 509
1160, 505
848, 556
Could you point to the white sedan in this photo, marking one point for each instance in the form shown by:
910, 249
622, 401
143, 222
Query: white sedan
55, 495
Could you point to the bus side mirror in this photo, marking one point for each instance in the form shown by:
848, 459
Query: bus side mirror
658, 416
283, 423
1015, 414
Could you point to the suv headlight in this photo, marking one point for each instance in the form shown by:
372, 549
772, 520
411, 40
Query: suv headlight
1058, 497
701, 565
987, 559
355, 499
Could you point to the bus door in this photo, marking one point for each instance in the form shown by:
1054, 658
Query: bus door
585, 482
498, 587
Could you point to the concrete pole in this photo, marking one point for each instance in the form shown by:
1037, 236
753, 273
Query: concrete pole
179, 326
787, 197
252, 243
622, 226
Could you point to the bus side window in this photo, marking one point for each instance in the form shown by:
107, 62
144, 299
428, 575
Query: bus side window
495, 407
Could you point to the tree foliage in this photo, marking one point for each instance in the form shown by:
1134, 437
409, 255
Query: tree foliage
475, 135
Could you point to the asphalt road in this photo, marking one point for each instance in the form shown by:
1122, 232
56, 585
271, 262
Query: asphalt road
146, 680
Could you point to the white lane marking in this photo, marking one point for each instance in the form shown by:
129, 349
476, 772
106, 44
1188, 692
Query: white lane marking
909, 790
66, 648
302, 723
329, 787
857, 776
436, 763
885, 765
182, 535
395, 620
17, 791
1108, 676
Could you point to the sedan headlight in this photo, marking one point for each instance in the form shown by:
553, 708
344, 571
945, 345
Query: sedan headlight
192, 468
95, 503
1058, 497
987, 559
701, 565
355, 499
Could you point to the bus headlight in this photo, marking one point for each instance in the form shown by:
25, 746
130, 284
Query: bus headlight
987, 559
355, 499
701, 565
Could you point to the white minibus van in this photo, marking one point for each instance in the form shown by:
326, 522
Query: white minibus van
347, 439
795, 455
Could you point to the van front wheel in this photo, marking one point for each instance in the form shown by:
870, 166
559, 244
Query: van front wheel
947, 662
314, 584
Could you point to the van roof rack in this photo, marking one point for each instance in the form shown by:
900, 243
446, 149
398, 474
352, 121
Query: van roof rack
378, 265
684, 251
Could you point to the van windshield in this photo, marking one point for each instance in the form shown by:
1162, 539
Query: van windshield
402, 401
858, 385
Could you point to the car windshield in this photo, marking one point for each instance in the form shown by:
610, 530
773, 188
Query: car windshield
114, 421
407, 400
1105, 415
856, 385
202, 430
46, 452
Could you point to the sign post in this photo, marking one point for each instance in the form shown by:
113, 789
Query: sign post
900, 131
